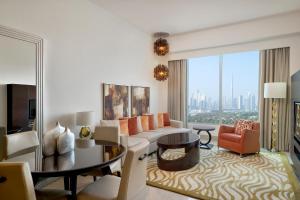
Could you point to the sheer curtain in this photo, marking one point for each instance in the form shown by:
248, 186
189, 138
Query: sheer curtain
177, 90
274, 67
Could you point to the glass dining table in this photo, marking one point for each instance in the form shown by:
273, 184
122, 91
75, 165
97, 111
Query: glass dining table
87, 156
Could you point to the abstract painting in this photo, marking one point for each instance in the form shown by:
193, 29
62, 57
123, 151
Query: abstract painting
115, 101
140, 100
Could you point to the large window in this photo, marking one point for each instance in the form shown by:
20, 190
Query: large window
223, 88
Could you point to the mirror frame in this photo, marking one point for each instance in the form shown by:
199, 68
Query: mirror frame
38, 42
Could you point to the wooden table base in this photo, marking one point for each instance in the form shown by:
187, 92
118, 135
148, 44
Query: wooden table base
189, 160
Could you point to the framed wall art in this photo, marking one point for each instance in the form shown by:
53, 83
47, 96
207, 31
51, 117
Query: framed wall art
115, 101
140, 100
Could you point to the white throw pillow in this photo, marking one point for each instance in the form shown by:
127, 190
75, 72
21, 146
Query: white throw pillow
155, 122
139, 125
65, 142
50, 139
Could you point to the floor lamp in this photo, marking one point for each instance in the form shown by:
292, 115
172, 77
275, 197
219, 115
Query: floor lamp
274, 91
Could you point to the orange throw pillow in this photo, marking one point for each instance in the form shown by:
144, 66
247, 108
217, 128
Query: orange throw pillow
124, 126
167, 119
160, 120
145, 123
132, 126
151, 121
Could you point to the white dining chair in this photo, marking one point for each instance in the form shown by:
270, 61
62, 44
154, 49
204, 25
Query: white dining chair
132, 184
20, 143
16, 181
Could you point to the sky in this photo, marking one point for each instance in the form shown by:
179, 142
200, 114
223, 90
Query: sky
243, 67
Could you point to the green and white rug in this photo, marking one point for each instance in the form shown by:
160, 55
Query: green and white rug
224, 175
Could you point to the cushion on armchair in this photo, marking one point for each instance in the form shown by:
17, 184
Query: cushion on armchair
243, 124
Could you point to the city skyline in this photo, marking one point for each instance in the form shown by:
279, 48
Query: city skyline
204, 74
239, 74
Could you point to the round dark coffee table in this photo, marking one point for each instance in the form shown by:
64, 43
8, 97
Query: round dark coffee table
207, 128
188, 141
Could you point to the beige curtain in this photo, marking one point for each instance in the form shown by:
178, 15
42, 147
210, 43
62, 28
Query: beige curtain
274, 67
177, 90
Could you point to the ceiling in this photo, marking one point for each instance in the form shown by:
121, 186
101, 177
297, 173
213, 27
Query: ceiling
178, 16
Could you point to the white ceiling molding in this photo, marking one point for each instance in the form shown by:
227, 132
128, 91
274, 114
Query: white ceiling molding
182, 16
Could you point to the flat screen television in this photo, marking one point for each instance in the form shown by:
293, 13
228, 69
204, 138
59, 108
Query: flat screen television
32, 109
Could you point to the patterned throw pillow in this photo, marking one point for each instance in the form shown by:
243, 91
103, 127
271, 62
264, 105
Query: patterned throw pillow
243, 124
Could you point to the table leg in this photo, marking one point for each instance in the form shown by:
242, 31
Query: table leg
67, 183
73, 187
206, 145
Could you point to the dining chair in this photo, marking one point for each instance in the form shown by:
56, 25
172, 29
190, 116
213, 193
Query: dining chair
16, 181
108, 134
20, 143
132, 184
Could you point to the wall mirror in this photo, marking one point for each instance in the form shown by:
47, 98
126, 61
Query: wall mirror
21, 84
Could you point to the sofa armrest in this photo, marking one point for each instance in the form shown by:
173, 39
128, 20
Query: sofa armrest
107, 133
226, 129
176, 123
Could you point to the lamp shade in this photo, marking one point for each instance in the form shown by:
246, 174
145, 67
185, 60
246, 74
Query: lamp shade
85, 118
275, 90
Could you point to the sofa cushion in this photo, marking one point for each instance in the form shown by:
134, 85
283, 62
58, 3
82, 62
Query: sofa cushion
133, 141
139, 124
160, 120
150, 121
231, 137
170, 130
145, 123
151, 136
124, 126
167, 119
132, 126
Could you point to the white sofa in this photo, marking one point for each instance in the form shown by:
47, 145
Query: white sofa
110, 129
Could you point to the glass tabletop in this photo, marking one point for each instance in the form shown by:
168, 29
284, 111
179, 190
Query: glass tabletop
86, 155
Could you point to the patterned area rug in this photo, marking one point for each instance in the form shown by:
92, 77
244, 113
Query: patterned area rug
224, 175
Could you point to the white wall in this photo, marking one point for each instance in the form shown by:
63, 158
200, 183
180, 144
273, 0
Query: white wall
84, 47
17, 66
271, 32
17, 61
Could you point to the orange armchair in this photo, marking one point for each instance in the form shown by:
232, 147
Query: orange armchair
244, 143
